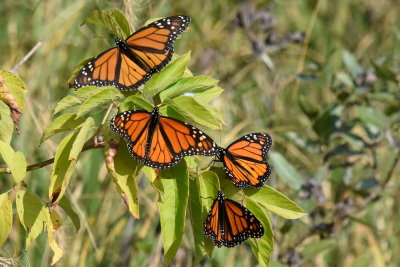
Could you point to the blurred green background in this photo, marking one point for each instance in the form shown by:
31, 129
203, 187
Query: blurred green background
322, 77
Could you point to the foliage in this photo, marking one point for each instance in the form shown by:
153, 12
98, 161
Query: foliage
331, 104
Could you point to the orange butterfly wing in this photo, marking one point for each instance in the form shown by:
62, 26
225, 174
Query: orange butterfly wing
173, 139
158, 141
230, 224
134, 61
134, 127
245, 160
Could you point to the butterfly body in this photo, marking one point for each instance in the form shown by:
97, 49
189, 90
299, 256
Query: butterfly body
245, 160
133, 61
230, 224
158, 141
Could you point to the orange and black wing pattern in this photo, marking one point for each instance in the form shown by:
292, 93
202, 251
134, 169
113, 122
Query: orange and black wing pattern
230, 224
245, 160
159, 141
133, 61
134, 127
173, 139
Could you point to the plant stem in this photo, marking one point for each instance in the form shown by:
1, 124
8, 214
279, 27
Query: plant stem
92, 144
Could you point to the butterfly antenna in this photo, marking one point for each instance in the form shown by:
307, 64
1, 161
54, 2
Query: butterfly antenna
206, 197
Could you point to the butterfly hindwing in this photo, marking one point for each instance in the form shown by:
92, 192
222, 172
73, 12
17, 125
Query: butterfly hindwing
245, 160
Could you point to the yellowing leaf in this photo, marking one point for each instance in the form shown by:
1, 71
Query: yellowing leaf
52, 225
5, 218
14, 160
32, 214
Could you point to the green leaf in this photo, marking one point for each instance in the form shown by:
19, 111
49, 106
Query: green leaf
385, 73
5, 218
12, 89
14, 160
112, 20
351, 64
81, 95
122, 22
6, 123
136, 101
308, 108
195, 110
32, 214
66, 103
286, 171
51, 228
99, 99
62, 168
261, 247
188, 85
275, 201
173, 186
124, 172
208, 184
196, 218
65, 203
168, 75
310, 251
81, 139
65, 122
209, 94
372, 116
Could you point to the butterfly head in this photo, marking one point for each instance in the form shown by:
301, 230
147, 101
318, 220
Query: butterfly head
221, 196
120, 44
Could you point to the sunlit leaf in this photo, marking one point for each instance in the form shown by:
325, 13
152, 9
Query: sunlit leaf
65, 122
6, 123
188, 85
12, 89
81, 138
123, 172
32, 214
14, 160
261, 247
168, 75
100, 99
275, 201
173, 185
195, 110
62, 169
5, 218
138, 103
112, 20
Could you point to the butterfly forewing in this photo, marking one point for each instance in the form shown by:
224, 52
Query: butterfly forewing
159, 36
230, 224
136, 59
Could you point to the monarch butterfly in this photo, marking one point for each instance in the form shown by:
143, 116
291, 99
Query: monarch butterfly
230, 224
245, 160
133, 61
158, 141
